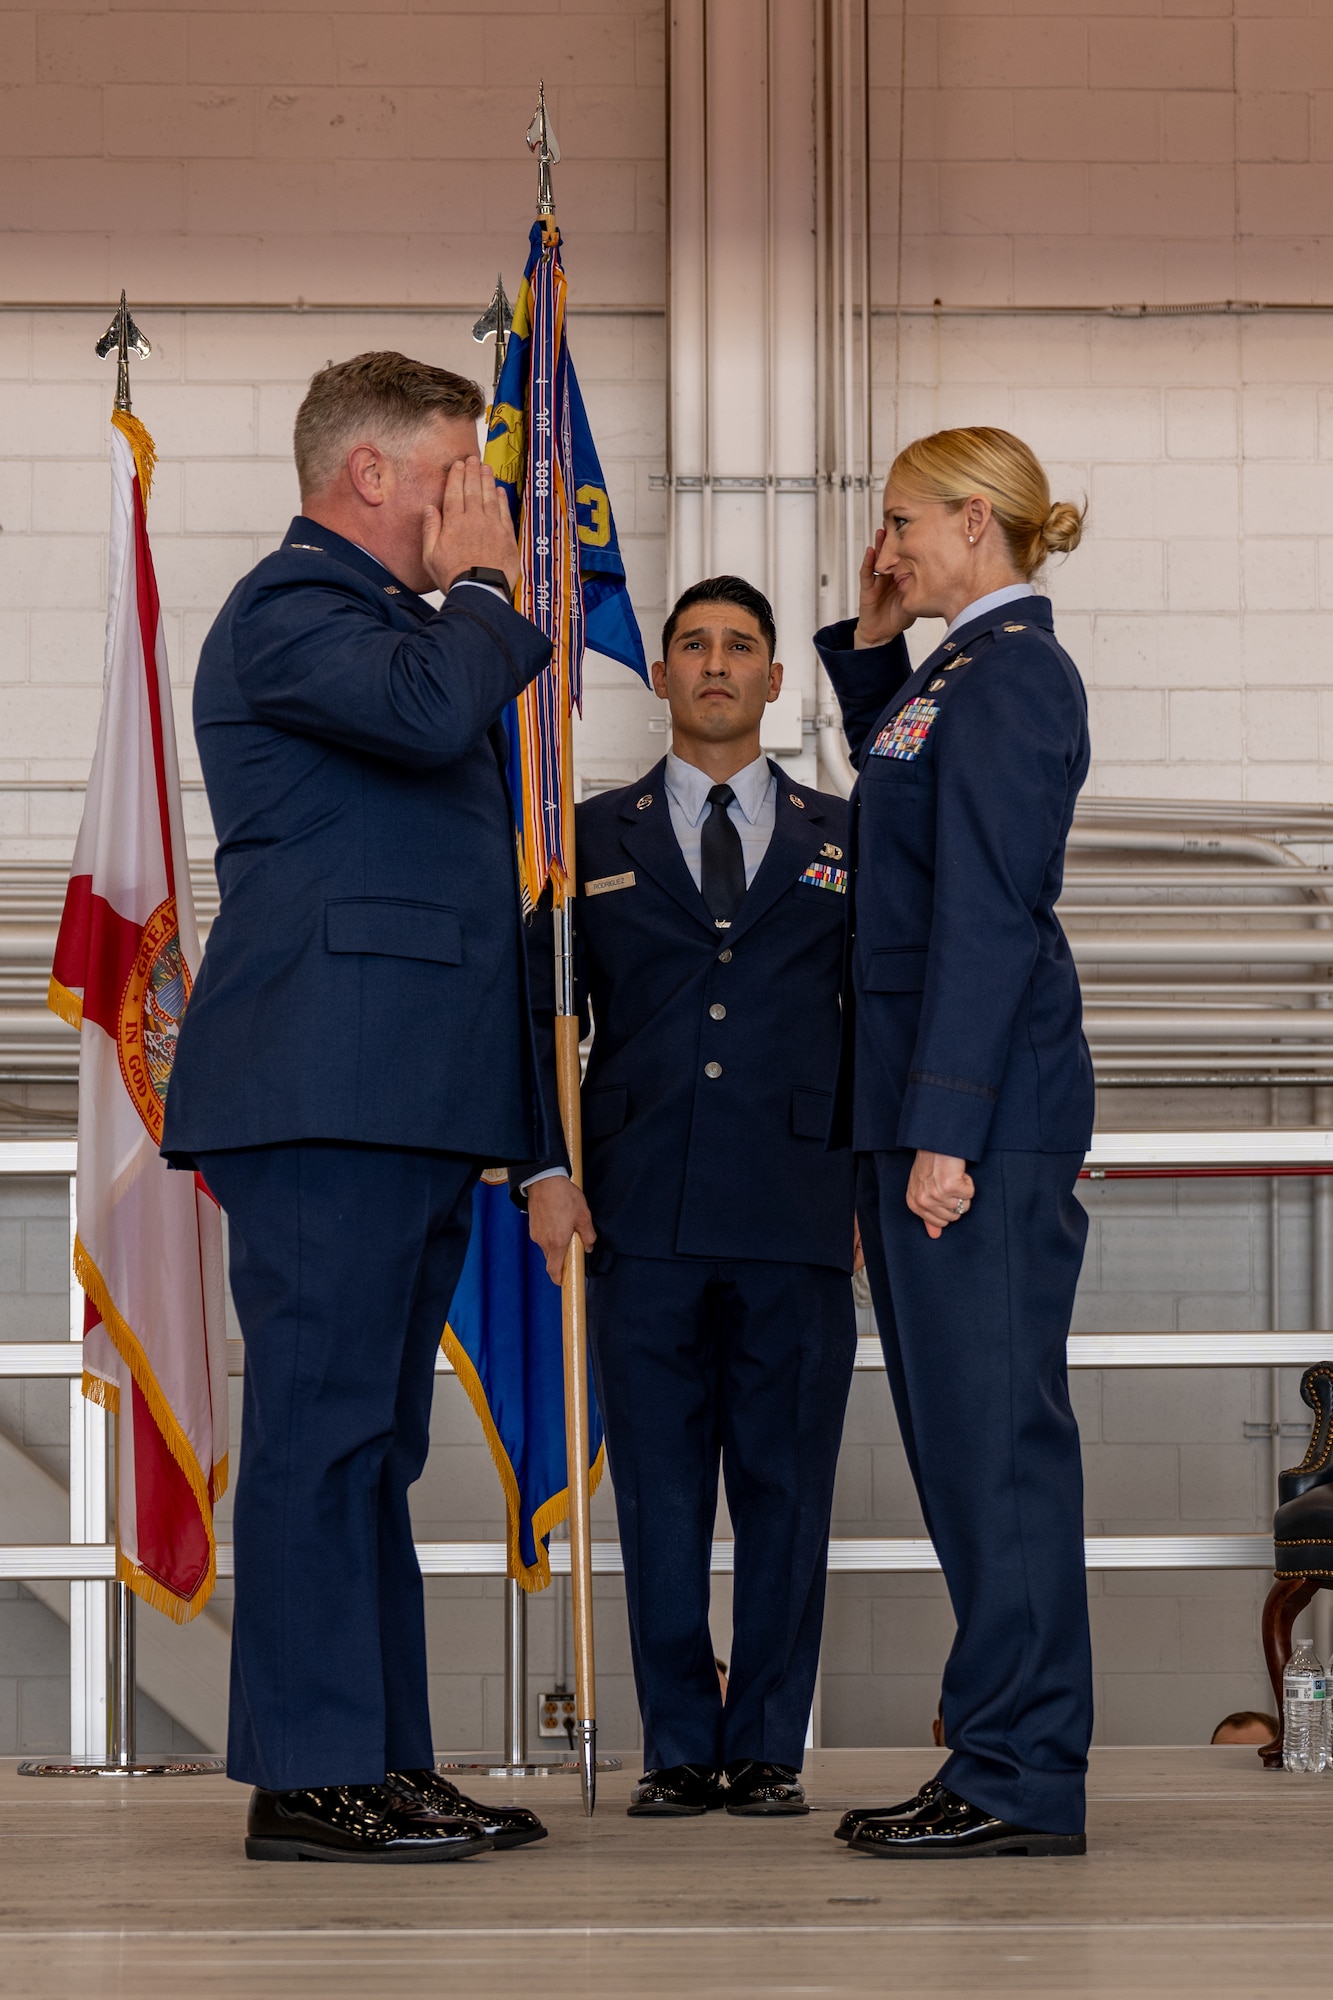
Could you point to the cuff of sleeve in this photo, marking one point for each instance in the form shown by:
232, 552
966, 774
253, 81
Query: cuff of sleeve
940, 1116
546, 1174
839, 637
854, 668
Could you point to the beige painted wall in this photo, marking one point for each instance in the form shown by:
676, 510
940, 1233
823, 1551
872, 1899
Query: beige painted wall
1065, 153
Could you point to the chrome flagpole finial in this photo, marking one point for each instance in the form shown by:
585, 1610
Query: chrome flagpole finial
125, 337
497, 319
543, 142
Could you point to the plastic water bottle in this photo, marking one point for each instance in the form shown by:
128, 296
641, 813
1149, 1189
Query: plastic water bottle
1305, 1710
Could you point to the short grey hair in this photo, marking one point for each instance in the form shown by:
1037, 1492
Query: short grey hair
384, 396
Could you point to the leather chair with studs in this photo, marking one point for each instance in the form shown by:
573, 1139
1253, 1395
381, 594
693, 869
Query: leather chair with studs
1302, 1540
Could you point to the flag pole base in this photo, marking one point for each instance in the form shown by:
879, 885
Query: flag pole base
566, 1768
588, 1765
161, 1767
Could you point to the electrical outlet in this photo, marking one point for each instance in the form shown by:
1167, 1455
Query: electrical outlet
555, 1715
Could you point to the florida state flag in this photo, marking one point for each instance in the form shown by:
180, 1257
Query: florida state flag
148, 1253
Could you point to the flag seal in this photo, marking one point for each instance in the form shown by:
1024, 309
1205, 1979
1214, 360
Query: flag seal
151, 1010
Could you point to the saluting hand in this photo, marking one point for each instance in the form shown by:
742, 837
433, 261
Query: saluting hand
473, 529
881, 616
939, 1190
557, 1212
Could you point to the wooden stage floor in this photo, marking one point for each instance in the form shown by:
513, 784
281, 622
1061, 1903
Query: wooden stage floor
1204, 1875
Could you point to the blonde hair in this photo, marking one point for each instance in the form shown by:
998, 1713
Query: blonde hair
953, 465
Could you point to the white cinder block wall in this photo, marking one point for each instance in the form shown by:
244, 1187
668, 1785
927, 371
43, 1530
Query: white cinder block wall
1061, 159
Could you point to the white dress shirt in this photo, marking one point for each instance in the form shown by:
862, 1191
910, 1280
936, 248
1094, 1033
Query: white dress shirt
991, 602
751, 812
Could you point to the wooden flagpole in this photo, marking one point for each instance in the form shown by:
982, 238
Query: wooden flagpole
574, 1308
574, 1318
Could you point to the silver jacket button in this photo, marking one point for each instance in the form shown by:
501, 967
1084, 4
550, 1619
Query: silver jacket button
712, 1069
718, 1011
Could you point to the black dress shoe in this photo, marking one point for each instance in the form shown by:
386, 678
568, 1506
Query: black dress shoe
355, 1823
949, 1825
859, 1815
504, 1826
683, 1791
764, 1790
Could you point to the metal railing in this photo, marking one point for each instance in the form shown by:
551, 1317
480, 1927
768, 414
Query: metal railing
87, 1561
1203, 936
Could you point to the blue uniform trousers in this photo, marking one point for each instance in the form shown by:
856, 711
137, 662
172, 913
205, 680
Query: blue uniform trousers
748, 1364
344, 1261
974, 1328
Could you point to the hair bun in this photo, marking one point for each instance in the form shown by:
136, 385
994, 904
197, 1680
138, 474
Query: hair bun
1062, 530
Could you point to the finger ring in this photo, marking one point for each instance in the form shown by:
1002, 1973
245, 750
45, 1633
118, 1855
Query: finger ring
960, 1206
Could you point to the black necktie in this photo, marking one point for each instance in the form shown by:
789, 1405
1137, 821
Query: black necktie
721, 859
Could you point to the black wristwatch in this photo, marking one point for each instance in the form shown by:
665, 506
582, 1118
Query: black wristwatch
477, 574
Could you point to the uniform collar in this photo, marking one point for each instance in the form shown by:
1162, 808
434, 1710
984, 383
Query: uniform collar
648, 838
980, 607
307, 534
1034, 610
689, 787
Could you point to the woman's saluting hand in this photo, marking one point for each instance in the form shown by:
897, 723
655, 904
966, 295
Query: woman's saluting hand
881, 616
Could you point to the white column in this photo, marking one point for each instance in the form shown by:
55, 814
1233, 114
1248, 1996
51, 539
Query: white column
768, 444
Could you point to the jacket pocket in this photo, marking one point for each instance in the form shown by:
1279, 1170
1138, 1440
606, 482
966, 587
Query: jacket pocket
811, 1113
895, 972
604, 1112
393, 929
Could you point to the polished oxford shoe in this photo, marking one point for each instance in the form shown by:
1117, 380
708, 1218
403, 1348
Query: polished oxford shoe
859, 1815
949, 1825
504, 1826
683, 1791
355, 1823
757, 1790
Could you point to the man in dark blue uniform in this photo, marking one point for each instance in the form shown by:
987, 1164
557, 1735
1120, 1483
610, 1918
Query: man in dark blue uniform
710, 936
356, 1043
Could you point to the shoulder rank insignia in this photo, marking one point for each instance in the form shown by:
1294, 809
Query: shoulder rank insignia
905, 737
821, 876
828, 852
645, 801
313, 547
606, 883
1015, 628
795, 801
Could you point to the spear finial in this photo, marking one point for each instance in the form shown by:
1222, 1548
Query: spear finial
543, 142
125, 337
497, 319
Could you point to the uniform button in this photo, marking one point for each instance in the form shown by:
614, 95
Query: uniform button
712, 1069
724, 957
718, 1011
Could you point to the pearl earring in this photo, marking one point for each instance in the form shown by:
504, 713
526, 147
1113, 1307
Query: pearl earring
971, 538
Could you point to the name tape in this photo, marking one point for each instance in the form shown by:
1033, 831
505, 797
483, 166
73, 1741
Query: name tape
605, 883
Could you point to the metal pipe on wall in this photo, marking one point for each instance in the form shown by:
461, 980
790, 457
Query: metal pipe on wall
768, 178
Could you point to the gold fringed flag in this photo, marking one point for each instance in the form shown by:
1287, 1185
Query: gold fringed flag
572, 580
148, 1253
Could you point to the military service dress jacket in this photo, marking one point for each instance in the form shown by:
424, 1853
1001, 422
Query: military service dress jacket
709, 1088
967, 1015
364, 980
